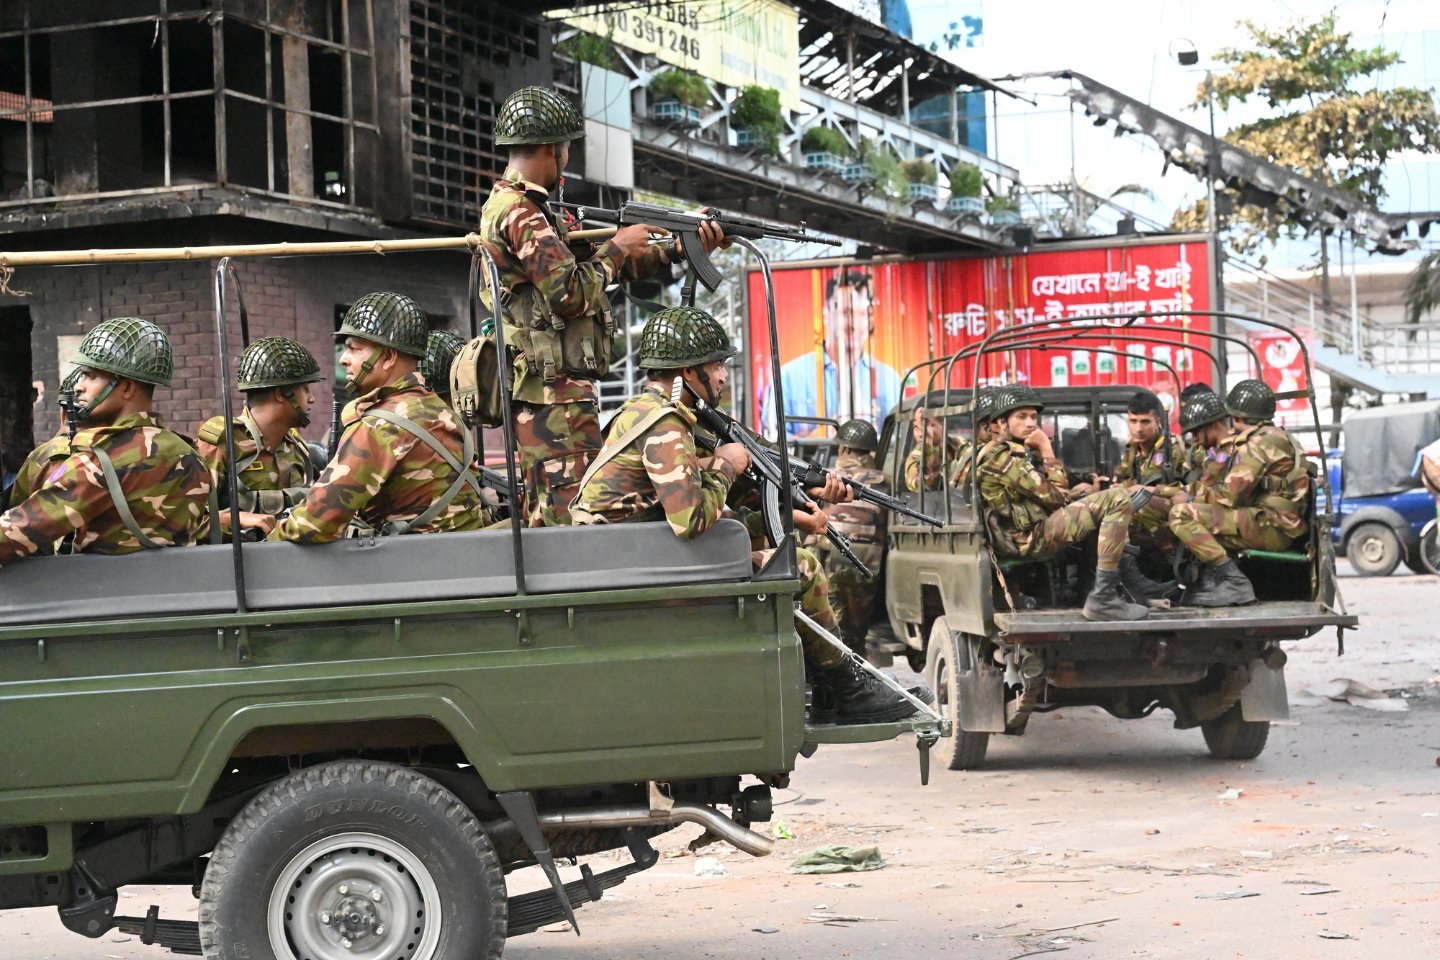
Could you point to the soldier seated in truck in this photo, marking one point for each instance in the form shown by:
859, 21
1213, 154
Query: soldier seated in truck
1254, 495
1034, 513
128, 484
957, 454
852, 594
274, 471
648, 469
1153, 458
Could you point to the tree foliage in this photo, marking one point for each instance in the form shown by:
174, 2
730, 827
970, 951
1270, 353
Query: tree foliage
1422, 292
1326, 117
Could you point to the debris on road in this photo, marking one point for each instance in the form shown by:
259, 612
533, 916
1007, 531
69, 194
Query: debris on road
1332, 935
781, 831
1234, 793
838, 858
1357, 694
1228, 895
765, 929
709, 867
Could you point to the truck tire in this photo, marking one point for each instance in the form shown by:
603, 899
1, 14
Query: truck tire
1231, 737
1373, 550
952, 654
353, 859
1430, 548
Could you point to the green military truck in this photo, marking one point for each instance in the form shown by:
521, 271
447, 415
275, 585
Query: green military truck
1000, 639
344, 750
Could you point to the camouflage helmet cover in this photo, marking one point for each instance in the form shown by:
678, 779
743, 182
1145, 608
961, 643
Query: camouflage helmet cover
276, 362
858, 435
131, 348
1011, 397
389, 319
534, 115
1201, 409
440, 351
1252, 400
678, 337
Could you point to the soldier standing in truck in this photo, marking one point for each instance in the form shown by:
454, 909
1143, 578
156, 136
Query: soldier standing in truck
128, 484
555, 306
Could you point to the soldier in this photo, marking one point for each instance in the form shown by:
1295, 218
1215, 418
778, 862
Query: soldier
1192, 464
959, 452
441, 348
403, 463
128, 484
1254, 494
1154, 459
275, 471
1035, 514
55, 450
557, 313
852, 597
649, 470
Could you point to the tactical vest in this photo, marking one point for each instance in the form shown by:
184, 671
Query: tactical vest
1287, 492
273, 502
1008, 511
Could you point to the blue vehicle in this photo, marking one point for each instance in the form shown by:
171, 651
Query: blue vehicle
1382, 509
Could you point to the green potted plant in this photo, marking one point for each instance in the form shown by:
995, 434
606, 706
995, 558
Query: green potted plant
920, 179
825, 149
857, 170
678, 96
886, 174
1004, 211
755, 118
966, 185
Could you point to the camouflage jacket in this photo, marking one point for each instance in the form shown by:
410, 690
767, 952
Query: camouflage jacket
37, 466
166, 486
287, 466
1260, 467
1146, 465
658, 476
520, 230
861, 521
958, 454
1018, 497
384, 474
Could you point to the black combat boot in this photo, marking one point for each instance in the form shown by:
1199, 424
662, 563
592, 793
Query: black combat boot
1222, 585
1140, 587
1105, 602
853, 695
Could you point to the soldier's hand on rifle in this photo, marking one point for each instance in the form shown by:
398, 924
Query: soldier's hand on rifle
734, 454
711, 236
833, 491
634, 240
263, 522
809, 518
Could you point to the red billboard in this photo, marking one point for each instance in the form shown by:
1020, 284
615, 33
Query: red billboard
850, 331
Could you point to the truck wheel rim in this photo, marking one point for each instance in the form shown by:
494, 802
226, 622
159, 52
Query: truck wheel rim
354, 895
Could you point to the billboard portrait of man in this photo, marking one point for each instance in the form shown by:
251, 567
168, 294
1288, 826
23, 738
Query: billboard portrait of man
854, 384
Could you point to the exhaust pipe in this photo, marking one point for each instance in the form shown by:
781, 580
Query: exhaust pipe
743, 838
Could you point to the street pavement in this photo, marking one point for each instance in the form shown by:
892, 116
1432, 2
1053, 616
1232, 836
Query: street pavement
1087, 837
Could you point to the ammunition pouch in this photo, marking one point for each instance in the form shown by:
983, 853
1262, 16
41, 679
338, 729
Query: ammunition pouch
553, 345
475, 383
272, 502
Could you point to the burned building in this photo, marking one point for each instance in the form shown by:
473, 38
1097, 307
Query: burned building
143, 123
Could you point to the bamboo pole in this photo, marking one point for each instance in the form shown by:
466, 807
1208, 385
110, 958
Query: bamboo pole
70, 258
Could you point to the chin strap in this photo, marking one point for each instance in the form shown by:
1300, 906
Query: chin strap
83, 414
302, 416
352, 383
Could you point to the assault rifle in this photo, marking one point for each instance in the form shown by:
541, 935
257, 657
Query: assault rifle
810, 474
766, 469
686, 226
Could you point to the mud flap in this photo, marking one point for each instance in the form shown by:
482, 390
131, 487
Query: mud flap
982, 700
1264, 697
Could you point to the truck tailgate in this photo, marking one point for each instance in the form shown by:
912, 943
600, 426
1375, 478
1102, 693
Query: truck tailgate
1280, 619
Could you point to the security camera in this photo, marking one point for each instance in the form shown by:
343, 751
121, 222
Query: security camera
1188, 58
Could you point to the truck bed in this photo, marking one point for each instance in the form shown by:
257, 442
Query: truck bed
1279, 619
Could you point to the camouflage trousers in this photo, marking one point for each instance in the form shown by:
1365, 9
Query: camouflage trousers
1150, 526
554, 444
852, 597
1207, 530
1108, 511
814, 600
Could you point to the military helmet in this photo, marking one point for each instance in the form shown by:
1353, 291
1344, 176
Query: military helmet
533, 115
67, 386
1011, 397
131, 348
679, 337
389, 319
440, 351
985, 404
1252, 400
858, 435
276, 362
1203, 408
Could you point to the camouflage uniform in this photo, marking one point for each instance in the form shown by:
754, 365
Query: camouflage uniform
165, 483
957, 455
1145, 466
38, 465
267, 472
852, 597
384, 474
660, 477
1030, 513
557, 429
1253, 494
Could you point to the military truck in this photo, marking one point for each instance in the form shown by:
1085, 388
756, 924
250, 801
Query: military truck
344, 750
1001, 639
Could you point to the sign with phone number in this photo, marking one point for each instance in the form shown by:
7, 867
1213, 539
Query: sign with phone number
734, 42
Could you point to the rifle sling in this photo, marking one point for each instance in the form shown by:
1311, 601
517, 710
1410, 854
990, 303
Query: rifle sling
626, 439
117, 497
463, 474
